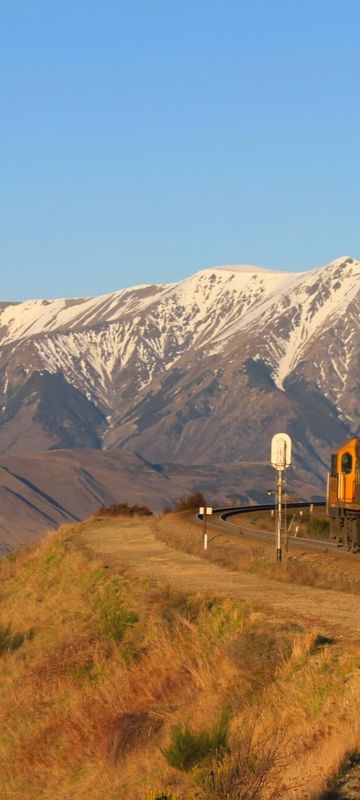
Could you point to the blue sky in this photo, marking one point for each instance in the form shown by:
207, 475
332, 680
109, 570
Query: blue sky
141, 141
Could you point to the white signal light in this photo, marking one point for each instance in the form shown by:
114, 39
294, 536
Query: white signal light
281, 451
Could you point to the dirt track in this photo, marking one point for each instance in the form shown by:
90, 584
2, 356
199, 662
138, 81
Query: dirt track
131, 544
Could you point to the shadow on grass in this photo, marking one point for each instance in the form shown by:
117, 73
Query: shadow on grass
345, 785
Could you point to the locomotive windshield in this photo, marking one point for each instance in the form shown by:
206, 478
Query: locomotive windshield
346, 463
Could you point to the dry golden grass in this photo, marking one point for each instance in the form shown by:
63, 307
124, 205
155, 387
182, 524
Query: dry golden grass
311, 524
109, 664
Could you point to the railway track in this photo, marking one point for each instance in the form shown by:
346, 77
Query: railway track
220, 518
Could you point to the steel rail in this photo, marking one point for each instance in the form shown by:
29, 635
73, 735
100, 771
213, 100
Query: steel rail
228, 511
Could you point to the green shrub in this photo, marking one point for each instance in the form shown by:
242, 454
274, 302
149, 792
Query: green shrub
160, 796
187, 747
191, 503
107, 596
9, 640
116, 620
173, 603
79, 672
318, 526
220, 620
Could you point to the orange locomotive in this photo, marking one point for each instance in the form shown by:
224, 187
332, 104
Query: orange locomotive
343, 497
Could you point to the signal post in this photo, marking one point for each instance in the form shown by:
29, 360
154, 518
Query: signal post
204, 511
280, 460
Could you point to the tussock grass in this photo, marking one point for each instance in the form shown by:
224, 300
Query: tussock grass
130, 689
188, 747
252, 767
318, 527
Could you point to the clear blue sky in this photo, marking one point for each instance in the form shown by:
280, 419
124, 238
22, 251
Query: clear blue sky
141, 141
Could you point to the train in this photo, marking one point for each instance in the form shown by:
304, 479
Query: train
343, 495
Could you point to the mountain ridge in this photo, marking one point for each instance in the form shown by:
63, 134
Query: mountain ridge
202, 370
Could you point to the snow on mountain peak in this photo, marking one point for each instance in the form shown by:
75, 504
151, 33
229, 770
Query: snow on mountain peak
154, 325
247, 268
318, 300
343, 260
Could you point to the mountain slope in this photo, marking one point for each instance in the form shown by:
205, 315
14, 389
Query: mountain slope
204, 370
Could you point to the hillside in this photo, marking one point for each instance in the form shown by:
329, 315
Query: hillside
41, 491
203, 371
117, 685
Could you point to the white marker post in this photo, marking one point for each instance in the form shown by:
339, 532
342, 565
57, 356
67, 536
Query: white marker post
280, 459
204, 511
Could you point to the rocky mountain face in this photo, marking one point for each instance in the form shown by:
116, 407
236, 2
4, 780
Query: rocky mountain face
203, 371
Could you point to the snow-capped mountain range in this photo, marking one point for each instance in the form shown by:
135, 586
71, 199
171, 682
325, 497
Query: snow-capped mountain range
203, 371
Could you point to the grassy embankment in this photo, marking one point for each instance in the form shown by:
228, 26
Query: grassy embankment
309, 524
328, 570
113, 688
